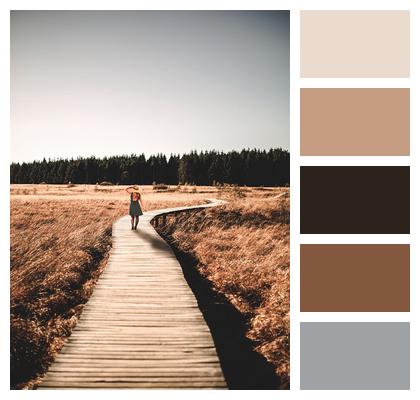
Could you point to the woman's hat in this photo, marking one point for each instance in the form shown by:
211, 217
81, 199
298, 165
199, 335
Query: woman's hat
135, 187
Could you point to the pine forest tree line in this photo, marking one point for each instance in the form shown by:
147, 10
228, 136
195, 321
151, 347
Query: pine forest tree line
249, 167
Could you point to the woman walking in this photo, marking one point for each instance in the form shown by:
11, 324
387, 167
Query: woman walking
135, 201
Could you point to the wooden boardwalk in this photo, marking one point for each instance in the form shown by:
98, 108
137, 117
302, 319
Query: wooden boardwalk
142, 327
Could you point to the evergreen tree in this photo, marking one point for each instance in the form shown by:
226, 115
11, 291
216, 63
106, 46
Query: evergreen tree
250, 167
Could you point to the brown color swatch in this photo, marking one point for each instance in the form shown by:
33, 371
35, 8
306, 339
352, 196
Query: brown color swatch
359, 199
355, 277
355, 122
364, 44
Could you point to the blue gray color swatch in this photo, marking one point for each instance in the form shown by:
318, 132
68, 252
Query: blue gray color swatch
355, 355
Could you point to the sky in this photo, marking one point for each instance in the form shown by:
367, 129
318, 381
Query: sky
128, 82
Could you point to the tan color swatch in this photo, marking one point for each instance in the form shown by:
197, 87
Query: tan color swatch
361, 277
354, 44
355, 122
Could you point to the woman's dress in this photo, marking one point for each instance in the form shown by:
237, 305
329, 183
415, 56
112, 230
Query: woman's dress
135, 209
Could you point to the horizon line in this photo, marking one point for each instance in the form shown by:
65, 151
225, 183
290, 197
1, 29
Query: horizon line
147, 156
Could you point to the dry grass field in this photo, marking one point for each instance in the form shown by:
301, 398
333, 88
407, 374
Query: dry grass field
243, 249
60, 238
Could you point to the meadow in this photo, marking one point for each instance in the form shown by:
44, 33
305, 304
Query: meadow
61, 235
242, 247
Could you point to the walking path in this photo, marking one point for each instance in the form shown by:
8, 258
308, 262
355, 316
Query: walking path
142, 327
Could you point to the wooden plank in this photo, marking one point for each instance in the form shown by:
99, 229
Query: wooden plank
141, 346
187, 371
138, 371
174, 318
149, 379
136, 357
137, 385
135, 363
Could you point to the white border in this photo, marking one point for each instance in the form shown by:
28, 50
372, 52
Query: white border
354, 316
4, 196
355, 239
294, 199
354, 83
295, 83
354, 160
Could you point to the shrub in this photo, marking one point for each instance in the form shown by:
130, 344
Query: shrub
160, 186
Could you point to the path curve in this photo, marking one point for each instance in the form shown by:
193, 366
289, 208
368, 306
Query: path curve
142, 327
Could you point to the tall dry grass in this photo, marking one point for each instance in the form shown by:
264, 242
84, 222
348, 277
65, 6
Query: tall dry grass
243, 249
59, 246
56, 253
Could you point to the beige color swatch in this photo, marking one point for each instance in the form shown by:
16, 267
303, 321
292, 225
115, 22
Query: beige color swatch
355, 44
355, 122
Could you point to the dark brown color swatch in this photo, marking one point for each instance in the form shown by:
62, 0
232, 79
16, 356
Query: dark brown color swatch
355, 277
355, 122
355, 199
